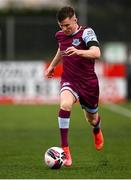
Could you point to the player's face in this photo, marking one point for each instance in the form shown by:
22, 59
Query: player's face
69, 25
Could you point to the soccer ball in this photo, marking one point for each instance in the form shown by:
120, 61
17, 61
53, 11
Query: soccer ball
55, 157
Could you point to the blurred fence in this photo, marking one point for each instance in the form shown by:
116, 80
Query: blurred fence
27, 37
33, 37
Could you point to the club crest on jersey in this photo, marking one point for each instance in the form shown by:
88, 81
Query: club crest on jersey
76, 42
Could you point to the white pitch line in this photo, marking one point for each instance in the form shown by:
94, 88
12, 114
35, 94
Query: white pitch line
118, 109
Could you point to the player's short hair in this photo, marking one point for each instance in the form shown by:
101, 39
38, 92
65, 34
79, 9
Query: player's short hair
65, 12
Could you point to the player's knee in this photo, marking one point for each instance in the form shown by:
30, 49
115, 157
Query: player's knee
66, 106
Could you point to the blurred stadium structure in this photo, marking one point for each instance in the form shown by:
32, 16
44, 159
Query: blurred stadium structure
27, 42
33, 4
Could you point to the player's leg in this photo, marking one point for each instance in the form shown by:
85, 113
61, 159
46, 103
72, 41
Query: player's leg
67, 99
66, 102
94, 120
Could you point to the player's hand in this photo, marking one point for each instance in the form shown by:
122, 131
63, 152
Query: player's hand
49, 73
70, 51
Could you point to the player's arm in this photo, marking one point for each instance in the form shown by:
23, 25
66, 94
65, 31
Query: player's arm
50, 70
92, 53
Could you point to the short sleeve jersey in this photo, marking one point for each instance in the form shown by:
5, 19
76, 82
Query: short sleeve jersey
76, 68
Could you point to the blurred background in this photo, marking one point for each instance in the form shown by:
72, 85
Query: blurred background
29, 101
27, 45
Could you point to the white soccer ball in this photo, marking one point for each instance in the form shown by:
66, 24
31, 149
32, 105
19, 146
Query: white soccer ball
55, 157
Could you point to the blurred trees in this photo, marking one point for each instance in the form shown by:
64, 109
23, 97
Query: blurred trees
34, 30
111, 19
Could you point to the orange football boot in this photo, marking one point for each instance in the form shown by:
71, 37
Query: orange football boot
98, 140
68, 161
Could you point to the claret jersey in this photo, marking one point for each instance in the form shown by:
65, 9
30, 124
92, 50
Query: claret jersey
78, 72
76, 67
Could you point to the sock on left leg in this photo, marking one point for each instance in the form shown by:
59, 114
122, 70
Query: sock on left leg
98, 136
96, 127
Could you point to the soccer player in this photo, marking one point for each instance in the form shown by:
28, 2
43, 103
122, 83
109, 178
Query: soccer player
78, 49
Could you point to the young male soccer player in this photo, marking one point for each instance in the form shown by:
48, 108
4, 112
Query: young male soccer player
78, 49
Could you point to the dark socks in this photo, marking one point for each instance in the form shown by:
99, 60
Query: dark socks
96, 127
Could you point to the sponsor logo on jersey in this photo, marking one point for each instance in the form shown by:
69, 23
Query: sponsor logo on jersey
90, 32
76, 42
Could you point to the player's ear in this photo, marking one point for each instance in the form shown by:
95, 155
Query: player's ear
76, 19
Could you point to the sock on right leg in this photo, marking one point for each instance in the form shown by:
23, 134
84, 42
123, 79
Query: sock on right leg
64, 120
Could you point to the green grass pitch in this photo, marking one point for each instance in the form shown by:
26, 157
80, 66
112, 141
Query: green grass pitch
27, 131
